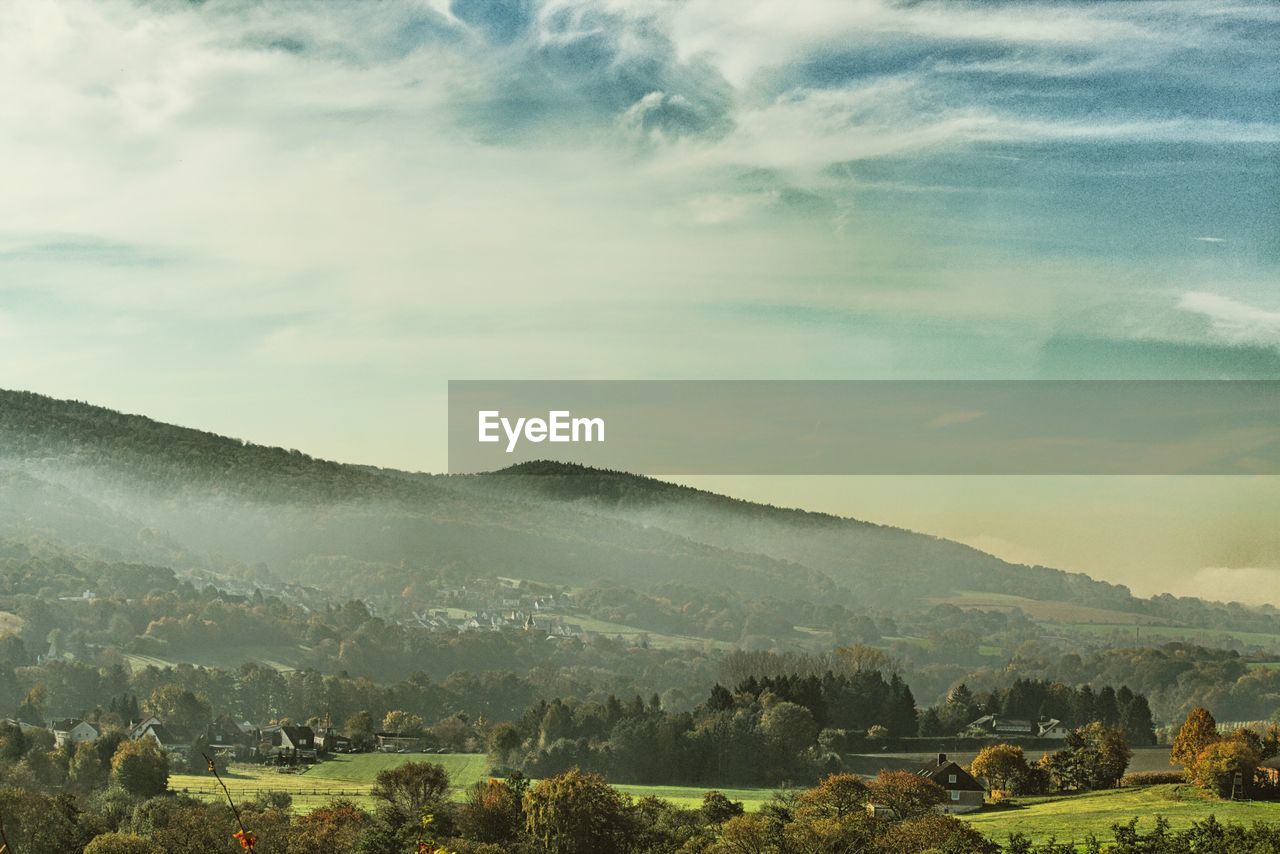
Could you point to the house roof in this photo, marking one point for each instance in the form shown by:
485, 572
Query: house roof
68, 724
164, 735
941, 774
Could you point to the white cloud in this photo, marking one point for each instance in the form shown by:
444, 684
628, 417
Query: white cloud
1233, 321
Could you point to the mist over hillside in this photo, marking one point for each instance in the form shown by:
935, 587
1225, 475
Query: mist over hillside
134, 488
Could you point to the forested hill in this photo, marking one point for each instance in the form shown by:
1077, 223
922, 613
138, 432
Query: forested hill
91, 478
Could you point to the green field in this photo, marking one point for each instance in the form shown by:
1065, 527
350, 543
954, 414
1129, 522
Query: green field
352, 777
691, 796
1072, 818
1159, 634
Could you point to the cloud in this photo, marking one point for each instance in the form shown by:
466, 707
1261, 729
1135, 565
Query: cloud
1233, 321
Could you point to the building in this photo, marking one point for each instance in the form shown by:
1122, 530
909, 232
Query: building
394, 742
1052, 728
73, 731
964, 792
168, 740
291, 742
989, 725
333, 742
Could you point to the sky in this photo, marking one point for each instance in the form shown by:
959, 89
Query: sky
294, 222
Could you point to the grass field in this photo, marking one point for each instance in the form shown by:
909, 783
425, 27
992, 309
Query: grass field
1073, 818
1160, 633
1044, 611
352, 777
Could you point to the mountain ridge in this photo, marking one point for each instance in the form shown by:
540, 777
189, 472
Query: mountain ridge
554, 522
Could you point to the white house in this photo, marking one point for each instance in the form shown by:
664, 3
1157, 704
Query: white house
73, 731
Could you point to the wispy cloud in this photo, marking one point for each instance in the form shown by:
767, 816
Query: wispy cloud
263, 189
1234, 321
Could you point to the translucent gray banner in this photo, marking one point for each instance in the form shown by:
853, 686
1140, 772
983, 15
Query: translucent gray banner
870, 427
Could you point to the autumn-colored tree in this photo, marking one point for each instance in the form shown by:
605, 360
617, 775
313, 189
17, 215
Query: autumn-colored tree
1215, 769
836, 796
121, 843
336, 826
1197, 732
140, 768
752, 833
1003, 765
933, 833
909, 795
490, 813
577, 813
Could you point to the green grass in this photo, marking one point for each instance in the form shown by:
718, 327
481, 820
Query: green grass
1073, 818
1147, 634
690, 797
464, 769
352, 777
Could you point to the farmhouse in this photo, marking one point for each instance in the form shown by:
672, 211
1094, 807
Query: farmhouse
964, 792
168, 740
1052, 728
73, 731
289, 741
1003, 727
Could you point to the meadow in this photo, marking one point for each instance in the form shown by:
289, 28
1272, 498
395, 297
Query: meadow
1072, 818
352, 776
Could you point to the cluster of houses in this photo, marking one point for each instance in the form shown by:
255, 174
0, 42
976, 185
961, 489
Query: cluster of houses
283, 744
514, 619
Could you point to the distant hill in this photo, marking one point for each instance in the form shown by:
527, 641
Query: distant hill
140, 489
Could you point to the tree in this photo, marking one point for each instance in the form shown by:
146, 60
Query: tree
1216, 767
411, 789
121, 843
752, 833
402, 722
577, 813
491, 812
836, 796
1004, 766
717, 809
182, 710
336, 826
1136, 718
359, 729
1197, 732
501, 740
1110, 754
790, 726
935, 833
909, 795
140, 768
85, 772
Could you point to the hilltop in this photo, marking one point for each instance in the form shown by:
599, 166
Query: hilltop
134, 488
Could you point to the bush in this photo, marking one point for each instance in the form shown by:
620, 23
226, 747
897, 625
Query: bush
1152, 778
